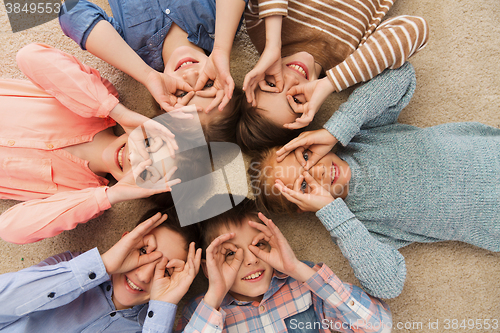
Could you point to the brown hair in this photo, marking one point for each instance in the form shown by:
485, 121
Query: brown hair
267, 195
210, 228
190, 233
255, 132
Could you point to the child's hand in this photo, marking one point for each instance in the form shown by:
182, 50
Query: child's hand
217, 70
312, 201
281, 256
318, 143
163, 88
135, 248
269, 64
132, 186
315, 93
173, 278
221, 272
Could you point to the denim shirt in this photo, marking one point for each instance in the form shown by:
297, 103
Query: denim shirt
73, 294
143, 24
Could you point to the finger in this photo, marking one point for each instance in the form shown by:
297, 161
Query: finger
149, 258
310, 180
297, 108
237, 260
297, 185
225, 101
160, 269
140, 168
265, 233
212, 92
279, 81
228, 90
202, 81
215, 102
265, 87
145, 227
299, 155
263, 255
155, 174
218, 241
296, 125
177, 265
181, 85
197, 260
185, 99
155, 144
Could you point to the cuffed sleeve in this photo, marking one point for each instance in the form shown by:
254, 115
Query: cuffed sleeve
204, 319
35, 220
160, 317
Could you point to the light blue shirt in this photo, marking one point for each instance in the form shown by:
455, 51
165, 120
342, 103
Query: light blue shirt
69, 293
143, 24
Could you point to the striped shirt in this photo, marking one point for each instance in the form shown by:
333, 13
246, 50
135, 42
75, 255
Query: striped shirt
322, 303
345, 37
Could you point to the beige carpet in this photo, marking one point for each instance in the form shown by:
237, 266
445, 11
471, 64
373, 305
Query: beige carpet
457, 81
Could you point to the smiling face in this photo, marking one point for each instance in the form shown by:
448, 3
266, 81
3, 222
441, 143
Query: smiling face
134, 287
185, 64
331, 172
297, 69
254, 276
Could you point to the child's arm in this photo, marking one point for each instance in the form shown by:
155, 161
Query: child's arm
42, 287
342, 303
228, 16
269, 63
394, 42
379, 267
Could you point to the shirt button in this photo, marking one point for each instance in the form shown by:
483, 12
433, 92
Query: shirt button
151, 314
351, 303
108, 288
51, 295
167, 11
50, 145
112, 314
11, 142
262, 308
92, 275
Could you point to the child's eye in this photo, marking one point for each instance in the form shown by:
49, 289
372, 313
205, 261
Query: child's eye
142, 250
303, 186
167, 273
296, 100
261, 245
306, 155
229, 253
209, 84
181, 94
270, 84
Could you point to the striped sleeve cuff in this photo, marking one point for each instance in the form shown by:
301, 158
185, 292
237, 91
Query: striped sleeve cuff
206, 319
272, 7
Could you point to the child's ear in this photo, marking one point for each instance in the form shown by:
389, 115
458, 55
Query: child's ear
204, 267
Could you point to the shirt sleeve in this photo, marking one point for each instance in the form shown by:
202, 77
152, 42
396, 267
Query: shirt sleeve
379, 267
78, 19
78, 87
160, 317
37, 219
376, 103
346, 307
43, 287
272, 7
392, 43
198, 316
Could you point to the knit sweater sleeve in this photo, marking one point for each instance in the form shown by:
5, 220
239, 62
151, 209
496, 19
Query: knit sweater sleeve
376, 103
379, 267
389, 46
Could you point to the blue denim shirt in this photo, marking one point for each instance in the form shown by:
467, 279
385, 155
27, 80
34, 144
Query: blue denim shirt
143, 24
73, 294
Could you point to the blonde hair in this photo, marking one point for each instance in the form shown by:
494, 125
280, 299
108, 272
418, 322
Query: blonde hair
267, 196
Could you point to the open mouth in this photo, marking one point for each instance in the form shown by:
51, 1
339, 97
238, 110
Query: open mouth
253, 276
132, 285
184, 63
299, 68
119, 157
334, 173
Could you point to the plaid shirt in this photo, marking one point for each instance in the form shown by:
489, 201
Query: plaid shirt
337, 306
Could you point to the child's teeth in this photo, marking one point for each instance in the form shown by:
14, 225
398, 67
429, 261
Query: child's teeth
120, 153
186, 63
133, 285
298, 68
253, 276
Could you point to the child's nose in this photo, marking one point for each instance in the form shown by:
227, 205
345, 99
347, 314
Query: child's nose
317, 171
191, 76
250, 258
290, 81
145, 272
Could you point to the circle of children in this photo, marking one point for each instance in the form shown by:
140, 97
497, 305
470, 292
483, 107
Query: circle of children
363, 174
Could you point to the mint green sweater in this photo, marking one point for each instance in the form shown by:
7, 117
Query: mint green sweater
409, 184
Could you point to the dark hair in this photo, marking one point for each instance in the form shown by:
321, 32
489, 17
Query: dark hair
190, 233
255, 132
210, 228
267, 196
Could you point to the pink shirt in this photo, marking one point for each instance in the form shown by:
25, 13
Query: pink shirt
66, 103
